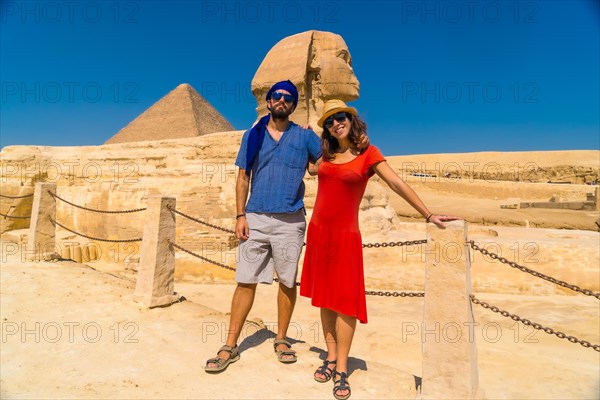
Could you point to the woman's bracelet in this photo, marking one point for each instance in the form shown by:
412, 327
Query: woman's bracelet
429, 216
239, 216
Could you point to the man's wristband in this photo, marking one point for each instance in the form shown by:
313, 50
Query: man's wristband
429, 216
239, 216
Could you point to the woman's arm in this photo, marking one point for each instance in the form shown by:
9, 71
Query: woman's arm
396, 183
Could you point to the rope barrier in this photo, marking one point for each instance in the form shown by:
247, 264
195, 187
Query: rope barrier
16, 197
537, 274
95, 210
535, 325
94, 238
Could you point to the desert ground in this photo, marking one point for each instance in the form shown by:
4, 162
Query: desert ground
72, 330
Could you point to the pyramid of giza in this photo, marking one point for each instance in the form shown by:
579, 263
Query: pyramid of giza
181, 113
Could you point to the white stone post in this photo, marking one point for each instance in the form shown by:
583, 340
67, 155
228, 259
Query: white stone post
155, 277
449, 350
41, 241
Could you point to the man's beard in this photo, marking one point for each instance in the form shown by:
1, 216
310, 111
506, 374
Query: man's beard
280, 113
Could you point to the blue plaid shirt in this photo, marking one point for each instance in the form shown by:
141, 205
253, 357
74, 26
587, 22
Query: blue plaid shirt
279, 167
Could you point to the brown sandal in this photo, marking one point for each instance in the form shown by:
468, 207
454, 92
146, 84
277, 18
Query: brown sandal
285, 356
234, 355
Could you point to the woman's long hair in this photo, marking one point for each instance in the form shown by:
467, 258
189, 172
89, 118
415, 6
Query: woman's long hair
330, 144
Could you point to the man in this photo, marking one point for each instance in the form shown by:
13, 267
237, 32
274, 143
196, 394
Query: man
273, 156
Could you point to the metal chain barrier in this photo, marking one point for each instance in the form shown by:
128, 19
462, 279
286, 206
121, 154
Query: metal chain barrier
13, 216
16, 197
198, 221
372, 292
95, 210
537, 274
535, 325
95, 238
394, 294
200, 257
277, 280
394, 244
367, 245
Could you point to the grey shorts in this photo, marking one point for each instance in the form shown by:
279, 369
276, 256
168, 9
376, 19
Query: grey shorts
274, 244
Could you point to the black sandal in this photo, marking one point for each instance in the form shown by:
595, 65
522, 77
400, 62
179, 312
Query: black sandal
343, 385
325, 371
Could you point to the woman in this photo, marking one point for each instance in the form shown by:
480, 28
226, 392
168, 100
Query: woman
332, 274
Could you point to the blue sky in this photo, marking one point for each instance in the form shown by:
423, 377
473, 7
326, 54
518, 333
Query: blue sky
435, 76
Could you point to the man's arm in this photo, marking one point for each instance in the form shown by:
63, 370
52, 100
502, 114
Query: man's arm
314, 153
313, 168
242, 186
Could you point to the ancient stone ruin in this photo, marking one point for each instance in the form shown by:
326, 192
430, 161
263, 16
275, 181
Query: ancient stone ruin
319, 64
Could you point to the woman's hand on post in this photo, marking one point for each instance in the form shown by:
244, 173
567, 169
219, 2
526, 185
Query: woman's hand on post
439, 220
242, 230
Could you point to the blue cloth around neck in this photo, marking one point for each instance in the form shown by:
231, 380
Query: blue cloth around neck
255, 140
278, 169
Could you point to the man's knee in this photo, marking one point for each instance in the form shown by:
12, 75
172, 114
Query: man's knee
288, 290
247, 286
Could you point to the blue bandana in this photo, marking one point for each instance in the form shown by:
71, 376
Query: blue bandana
257, 133
284, 85
255, 139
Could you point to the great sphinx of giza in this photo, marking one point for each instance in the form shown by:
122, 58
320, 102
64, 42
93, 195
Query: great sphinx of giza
320, 66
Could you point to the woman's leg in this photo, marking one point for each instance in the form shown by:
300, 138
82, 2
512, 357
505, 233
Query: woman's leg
345, 327
328, 321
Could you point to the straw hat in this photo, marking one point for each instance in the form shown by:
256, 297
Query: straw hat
335, 106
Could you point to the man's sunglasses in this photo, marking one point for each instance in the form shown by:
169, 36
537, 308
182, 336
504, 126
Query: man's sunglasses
288, 98
339, 117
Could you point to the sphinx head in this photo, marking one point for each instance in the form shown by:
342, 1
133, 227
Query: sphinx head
318, 63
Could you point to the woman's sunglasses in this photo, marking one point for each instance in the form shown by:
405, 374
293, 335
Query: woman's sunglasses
288, 98
339, 117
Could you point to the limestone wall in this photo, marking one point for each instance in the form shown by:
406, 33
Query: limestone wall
199, 172
569, 166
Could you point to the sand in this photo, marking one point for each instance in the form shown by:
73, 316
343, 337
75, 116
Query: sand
72, 331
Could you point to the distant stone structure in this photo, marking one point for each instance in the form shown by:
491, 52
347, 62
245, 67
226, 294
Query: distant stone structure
592, 203
182, 113
319, 64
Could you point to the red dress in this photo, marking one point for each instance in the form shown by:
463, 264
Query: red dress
332, 274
